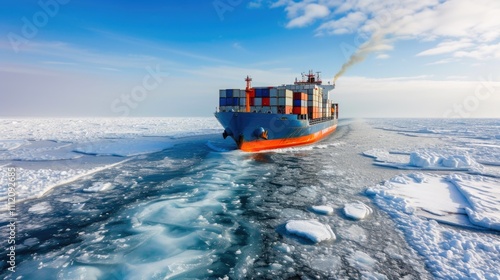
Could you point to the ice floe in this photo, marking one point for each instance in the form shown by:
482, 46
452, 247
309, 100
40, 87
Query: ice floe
322, 209
310, 229
427, 159
483, 195
357, 210
417, 201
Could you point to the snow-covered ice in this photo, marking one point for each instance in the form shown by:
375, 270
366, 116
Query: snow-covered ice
483, 195
148, 200
322, 209
357, 210
422, 204
417, 201
310, 229
25, 142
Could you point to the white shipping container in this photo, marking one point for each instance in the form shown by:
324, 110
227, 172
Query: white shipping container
222, 93
243, 101
257, 101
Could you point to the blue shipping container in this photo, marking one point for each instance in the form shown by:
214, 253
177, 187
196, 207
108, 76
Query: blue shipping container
265, 92
229, 93
236, 101
297, 103
222, 101
258, 92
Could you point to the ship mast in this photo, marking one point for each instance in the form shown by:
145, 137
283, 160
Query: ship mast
310, 79
248, 92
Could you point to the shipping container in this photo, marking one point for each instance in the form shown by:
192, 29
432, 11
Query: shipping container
300, 110
273, 92
299, 103
288, 109
285, 101
266, 101
265, 92
258, 92
222, 101
222, 93
258, 101
229, 93
243, 101
273, 101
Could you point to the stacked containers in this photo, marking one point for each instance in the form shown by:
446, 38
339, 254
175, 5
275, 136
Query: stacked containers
299, 103
230, 99
285, 101
313, 104
280, 100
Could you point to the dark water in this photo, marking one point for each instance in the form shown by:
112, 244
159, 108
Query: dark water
191, 212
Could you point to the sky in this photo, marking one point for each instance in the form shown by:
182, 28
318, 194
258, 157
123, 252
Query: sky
402, 58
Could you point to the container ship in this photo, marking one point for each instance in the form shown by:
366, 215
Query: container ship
264, 118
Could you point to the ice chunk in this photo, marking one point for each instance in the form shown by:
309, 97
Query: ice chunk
362, 261
322, 209
310, 229
483, 194
449, 253
429, 159
40, 208
357, 210
99, 187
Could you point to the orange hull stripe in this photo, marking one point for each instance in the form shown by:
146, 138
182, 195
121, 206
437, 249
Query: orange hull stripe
259, 145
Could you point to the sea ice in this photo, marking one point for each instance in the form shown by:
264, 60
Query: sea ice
322, 209
449, 253
357, 210
310, 229
483, 194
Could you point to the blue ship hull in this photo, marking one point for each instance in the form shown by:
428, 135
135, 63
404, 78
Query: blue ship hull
262, 131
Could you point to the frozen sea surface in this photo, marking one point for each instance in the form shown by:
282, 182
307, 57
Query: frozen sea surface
170, 199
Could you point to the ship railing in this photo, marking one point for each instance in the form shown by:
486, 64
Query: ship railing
320, 120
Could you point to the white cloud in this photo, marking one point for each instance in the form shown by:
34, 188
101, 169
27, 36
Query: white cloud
470, 28
382, 56
308, 14
447, 47
483, 51
344, 25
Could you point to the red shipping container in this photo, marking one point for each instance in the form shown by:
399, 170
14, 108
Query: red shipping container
297, 110
266, 101
297, 96
252, 101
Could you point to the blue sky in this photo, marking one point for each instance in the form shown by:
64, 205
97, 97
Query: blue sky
429, 58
